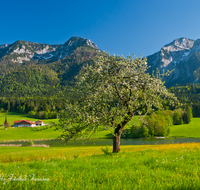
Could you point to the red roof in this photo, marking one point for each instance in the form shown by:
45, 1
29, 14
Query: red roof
40, 120
25, 121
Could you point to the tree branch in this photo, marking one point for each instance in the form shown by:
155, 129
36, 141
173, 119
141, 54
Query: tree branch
117, 91
138, 109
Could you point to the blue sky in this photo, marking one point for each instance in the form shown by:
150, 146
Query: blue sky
115, 26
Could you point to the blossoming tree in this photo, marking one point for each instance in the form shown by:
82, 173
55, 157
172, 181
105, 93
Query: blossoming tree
114, 89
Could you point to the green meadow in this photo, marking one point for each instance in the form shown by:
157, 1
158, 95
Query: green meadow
187, 130
135, 167
26, 133
169, 166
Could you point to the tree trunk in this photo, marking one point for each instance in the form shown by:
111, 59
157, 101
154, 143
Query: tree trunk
116, 142
117, 134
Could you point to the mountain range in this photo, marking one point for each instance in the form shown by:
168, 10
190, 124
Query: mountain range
183, 57
33, 69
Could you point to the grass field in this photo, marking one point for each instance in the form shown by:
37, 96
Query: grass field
187, 130
171, 166
135, 167
25, 133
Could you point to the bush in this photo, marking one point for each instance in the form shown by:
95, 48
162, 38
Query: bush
187, 116
31, 143
177, 117
106, 150
8, 124
158, 123
2, 110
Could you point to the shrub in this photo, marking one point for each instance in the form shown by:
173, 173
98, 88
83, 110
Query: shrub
8, 124
187, 116
31, 143
158, 123
136, 131
106, 150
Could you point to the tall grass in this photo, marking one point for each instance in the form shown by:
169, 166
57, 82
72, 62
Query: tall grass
136, 167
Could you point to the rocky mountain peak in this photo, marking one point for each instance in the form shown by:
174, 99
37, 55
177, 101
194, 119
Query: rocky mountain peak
21, 51
78, 41
179, 44
181, 55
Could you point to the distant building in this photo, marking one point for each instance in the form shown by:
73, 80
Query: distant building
24, 123
39, 122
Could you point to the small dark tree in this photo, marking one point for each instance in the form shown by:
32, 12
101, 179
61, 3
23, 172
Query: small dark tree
5, 122
187, 116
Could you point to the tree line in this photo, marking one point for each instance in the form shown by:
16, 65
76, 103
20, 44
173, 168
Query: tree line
36, 107
159, 122
189, 94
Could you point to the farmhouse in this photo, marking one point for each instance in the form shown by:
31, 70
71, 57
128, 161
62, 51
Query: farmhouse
24, 123
27, 123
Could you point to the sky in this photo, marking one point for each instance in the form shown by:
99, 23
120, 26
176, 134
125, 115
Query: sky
115, 26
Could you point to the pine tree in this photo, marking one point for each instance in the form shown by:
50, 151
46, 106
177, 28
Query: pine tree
5, 122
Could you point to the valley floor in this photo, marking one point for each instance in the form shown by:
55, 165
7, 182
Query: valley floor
169, 166
191, 130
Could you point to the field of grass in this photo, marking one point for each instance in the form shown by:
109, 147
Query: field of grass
135, 167
25, 133
187, 130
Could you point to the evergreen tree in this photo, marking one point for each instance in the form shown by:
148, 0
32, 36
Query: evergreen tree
5, 122
187, 115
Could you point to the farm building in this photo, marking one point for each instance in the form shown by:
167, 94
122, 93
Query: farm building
39, 122
24, 123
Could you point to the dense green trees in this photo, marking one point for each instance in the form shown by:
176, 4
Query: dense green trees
43, 77
159, 122
190, 95
37, 107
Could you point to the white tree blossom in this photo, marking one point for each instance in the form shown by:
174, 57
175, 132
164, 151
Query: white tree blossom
112, 91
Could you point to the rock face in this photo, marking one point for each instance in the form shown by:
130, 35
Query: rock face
183, 56
26, 51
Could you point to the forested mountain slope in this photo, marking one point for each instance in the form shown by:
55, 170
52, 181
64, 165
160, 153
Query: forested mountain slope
32, 69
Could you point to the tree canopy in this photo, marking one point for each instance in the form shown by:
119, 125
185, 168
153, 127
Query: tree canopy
114, 89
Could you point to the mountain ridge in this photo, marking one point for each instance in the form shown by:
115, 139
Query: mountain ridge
21, 51
33, 69
59, 64
182, 56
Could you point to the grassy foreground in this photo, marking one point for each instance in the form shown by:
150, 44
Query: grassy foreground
136, 167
